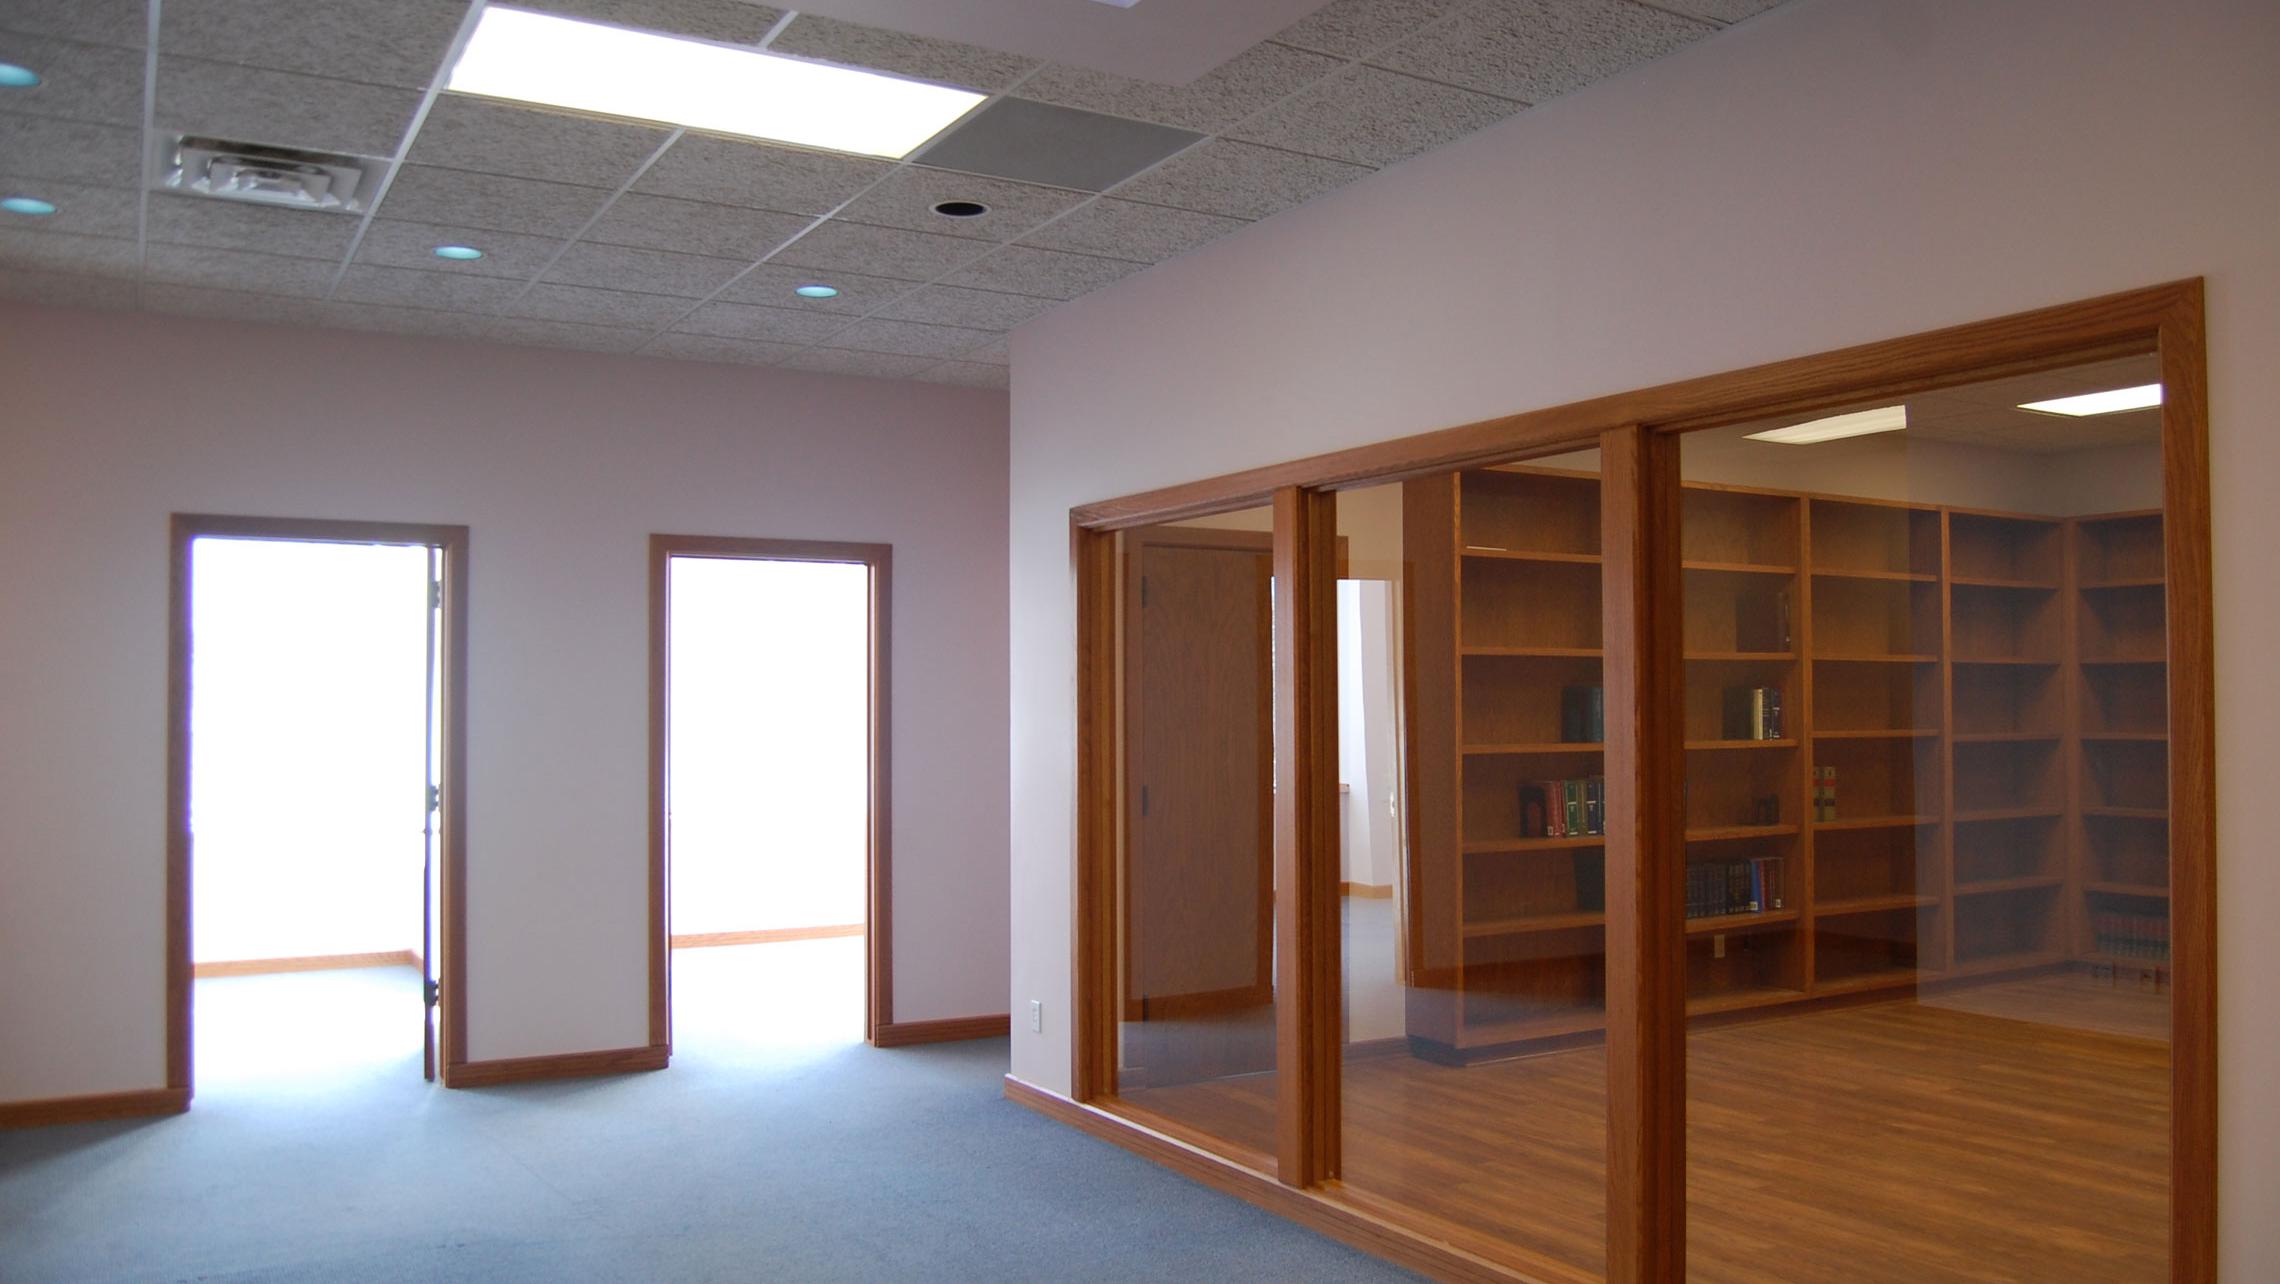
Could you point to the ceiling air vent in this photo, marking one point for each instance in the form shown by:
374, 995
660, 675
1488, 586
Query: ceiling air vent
269, 175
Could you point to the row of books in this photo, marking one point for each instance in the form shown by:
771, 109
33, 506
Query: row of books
1563, 808
1753, 713
1583, 715
2131, 936
1752, 886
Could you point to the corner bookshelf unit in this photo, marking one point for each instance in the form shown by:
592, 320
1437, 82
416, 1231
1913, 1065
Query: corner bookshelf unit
1986, 687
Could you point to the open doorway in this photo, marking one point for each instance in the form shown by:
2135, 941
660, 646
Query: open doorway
769, 798
314, 809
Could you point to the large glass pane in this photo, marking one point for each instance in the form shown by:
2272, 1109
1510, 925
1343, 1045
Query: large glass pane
1470, 750
1927, 848
1195, 888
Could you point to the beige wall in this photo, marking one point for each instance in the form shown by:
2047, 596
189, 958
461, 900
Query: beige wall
562, 464
1835, 172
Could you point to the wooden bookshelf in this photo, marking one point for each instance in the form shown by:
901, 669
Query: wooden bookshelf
2119, 748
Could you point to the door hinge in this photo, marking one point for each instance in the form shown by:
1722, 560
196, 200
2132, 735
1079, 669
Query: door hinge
435, 595
434, 993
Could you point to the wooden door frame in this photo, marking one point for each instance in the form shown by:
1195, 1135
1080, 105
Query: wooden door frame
452, 542
1645, 986
878, 926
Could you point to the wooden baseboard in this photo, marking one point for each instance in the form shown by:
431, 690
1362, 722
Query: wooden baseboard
901, 1034
306, 963
764, 936
1313, 1209
1367, 891
108, 1105
566, 1065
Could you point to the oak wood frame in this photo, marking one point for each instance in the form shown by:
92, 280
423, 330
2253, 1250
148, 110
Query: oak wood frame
879, 989
451, 845
1646, 983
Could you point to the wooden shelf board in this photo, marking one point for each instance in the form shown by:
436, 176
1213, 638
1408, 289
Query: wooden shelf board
1878, 822
1992, 885
1880, 733
2009, 813
2004, 737
1899, 577
1873, 905
2148, 891
1532, 555
1739, 568
2128, 813
1729, 833
2095, 660
1536, 923
2127, 737
1739, 922
1478, 1034
1983, 581
1742, 657
2125, 960
1881, 979
2005, 962
1534, 747
2127, 582
1703, 745
1736, 1000
1535, 844
2024, 660
1897, 657
1536, 652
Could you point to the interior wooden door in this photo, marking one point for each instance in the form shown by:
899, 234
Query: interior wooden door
1199, 878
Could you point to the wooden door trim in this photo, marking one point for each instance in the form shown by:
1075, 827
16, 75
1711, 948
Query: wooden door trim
878, 990
451, 845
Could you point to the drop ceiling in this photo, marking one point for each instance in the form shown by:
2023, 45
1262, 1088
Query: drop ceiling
1987, 414
616, 236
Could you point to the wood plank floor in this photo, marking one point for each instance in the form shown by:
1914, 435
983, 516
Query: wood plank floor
1897, 1143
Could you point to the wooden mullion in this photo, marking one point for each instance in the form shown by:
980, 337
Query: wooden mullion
1306, 836
1642, 605
1093, 1075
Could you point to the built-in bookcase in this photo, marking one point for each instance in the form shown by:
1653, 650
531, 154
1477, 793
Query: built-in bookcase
2121, 759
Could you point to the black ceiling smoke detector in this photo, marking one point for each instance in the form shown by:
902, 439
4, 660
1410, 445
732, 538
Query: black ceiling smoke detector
961, 209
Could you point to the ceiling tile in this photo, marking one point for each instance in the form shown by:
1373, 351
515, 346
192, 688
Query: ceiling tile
1047, 273
874, 365
978, 309
238, 270
423, 194
100, 83
1061, 146
730, 171
618, 267
598, 307
998, 351
104, 155
775, 325
65, 252
771, 284
907, 197
502, 138
66, 289
731, 22
1254, 79
1125, 230
234, 305
1716, 10
563, 334
970, 374
236, 225
705, 347
397, 243
105, 22
918, 57
909, 338
400, 42
441, 291
1352, 28
1375, 117
878, 251
696, 227
419, 321
280, 109
79, 207
1239, 180
1535, 50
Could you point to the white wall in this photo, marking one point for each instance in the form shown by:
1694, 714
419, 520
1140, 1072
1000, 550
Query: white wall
562, 464
1835, 172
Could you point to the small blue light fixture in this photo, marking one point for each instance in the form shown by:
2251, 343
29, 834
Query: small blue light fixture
15, 77
31, 205
458, 253
817, 291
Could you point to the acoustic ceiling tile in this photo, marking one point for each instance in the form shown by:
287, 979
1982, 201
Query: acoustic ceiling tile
705, 347
39, 250
124, 23
598, 307
408, 244
79, 207
75, 151
1125, 230
235, 225
907, 197
697, 227
909, 338
878, 251
1722, 11
918, 57
443, 291
231, 305
241, 270
1353, 28
1250, 81
564, 334
970, 374
383, 319
728, 22
872, 365
280, 108
618, 267
997, 352
977, 309
1239, 180
1032, 142
772, 325
705, 167
1374, 117
423, 194
772, 285
1536, 50
66, 289
1048, 274
491, 137
100, 83
401, 42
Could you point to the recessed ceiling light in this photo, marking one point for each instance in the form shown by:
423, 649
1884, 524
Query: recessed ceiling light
31, 205
817, 291
584, 66
1859, 423
961, 209
458, 253
15, 77
2142, 397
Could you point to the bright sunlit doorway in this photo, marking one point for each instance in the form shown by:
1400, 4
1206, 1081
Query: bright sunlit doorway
315, 733
768, 793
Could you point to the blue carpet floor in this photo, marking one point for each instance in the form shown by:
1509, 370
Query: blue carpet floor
748, 1160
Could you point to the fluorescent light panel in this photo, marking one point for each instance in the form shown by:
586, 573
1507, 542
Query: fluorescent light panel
1859, 423
2142, 397
540, 58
